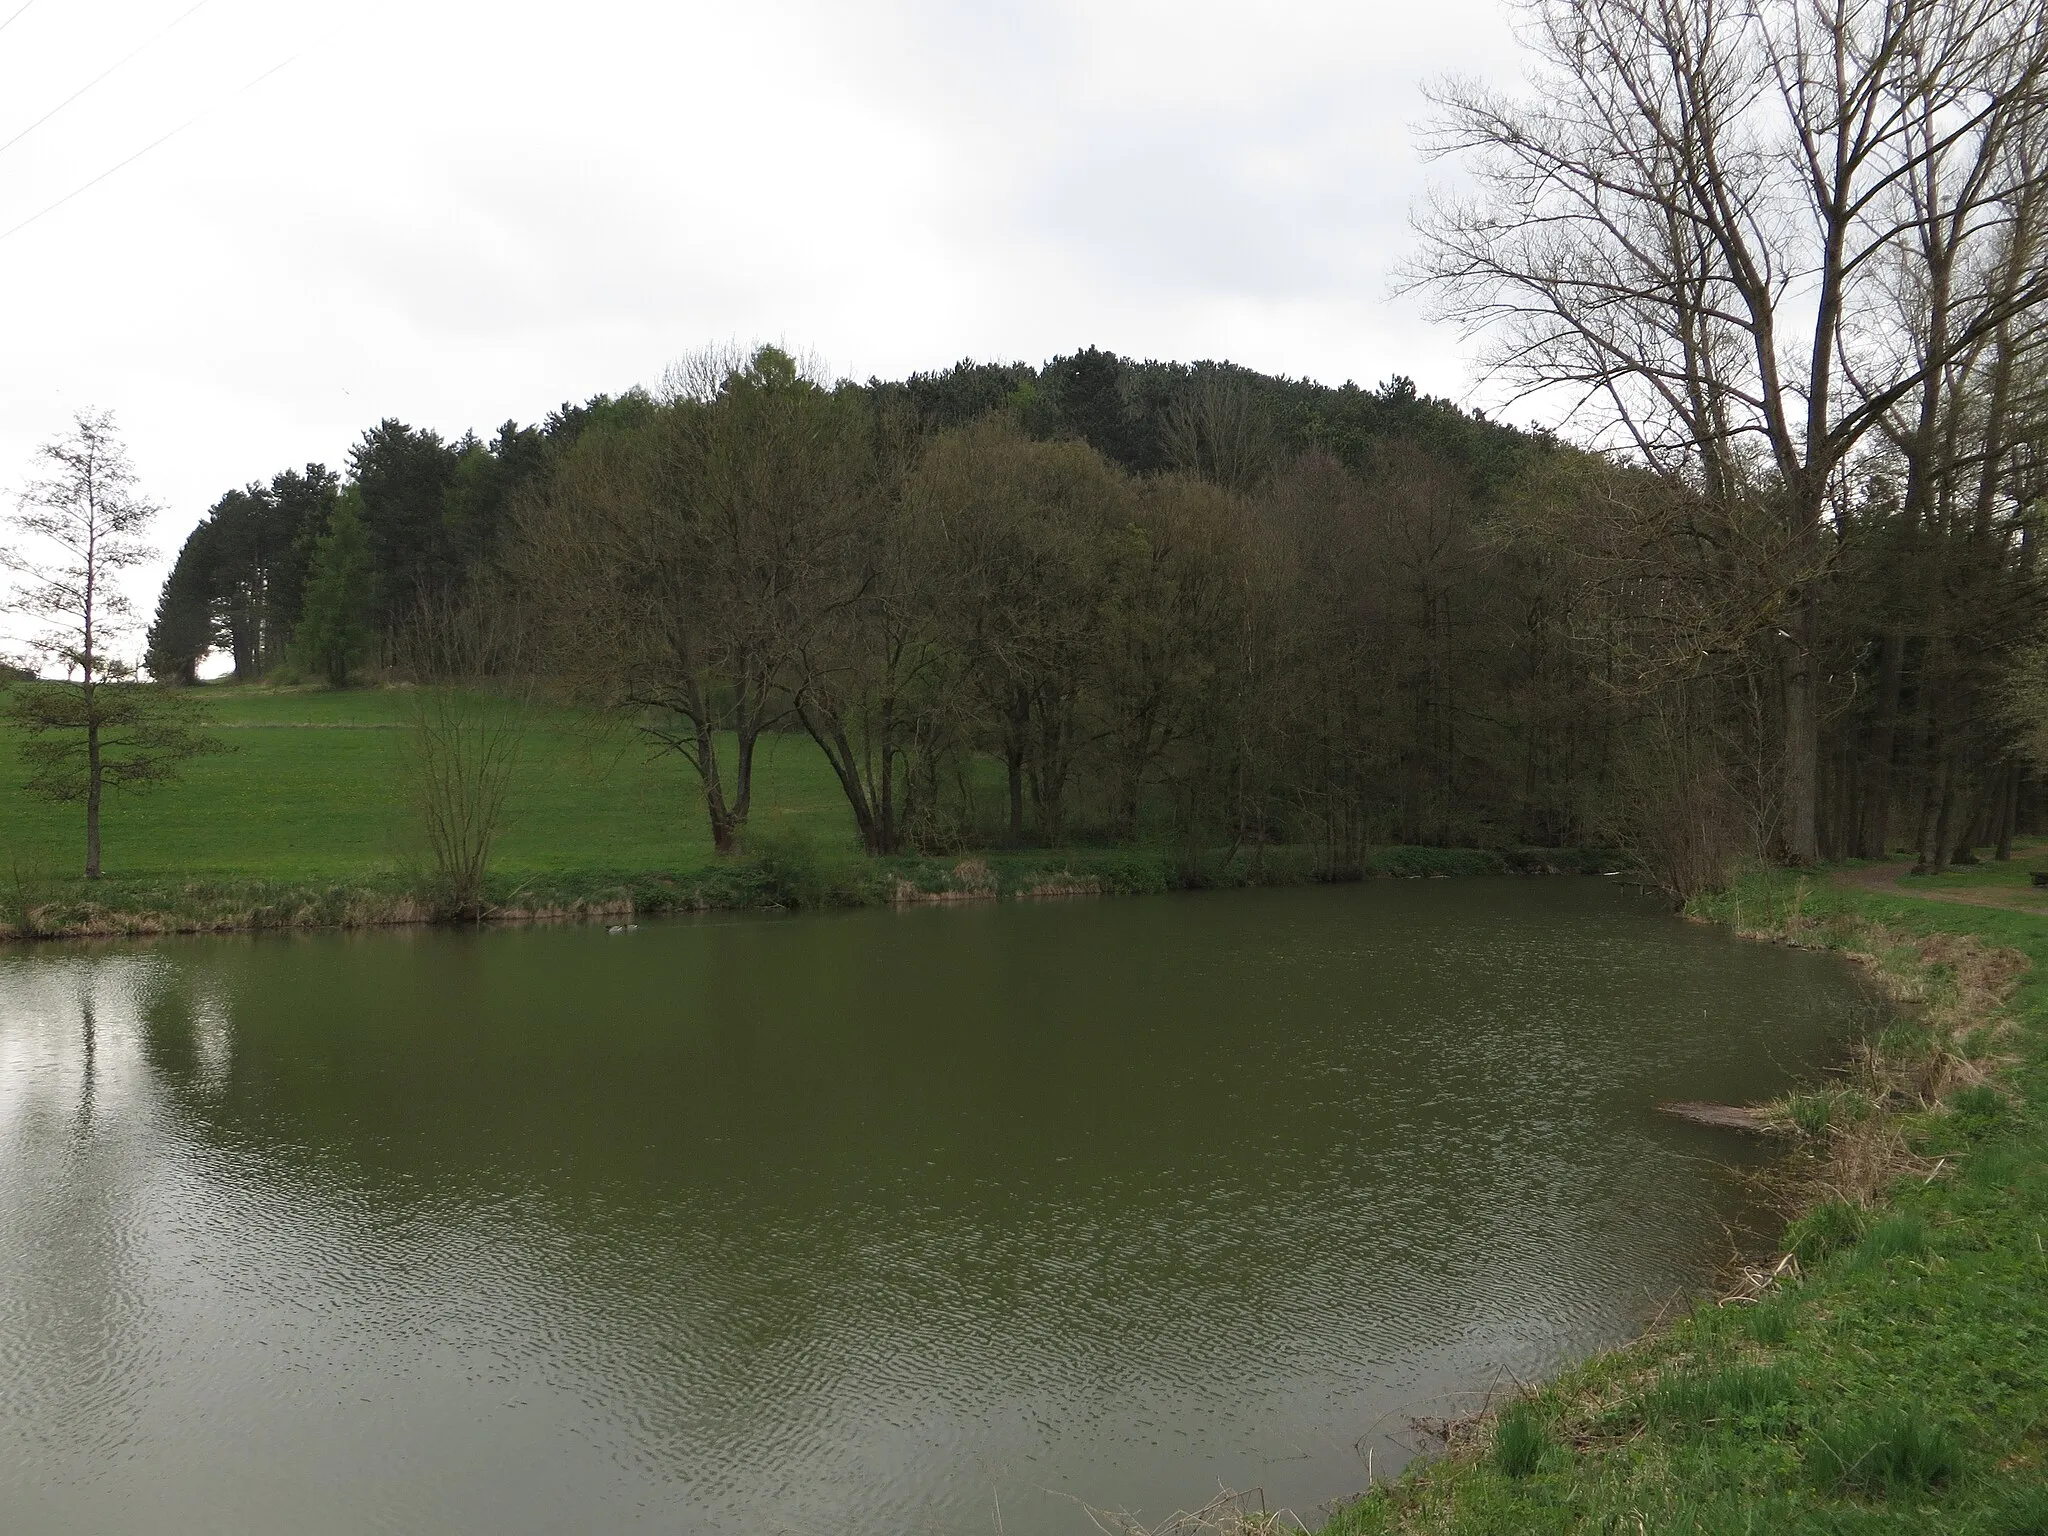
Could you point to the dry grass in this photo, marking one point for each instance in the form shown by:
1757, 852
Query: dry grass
968, 880
1230, 1513
346, 909
1949, 992
1053, 886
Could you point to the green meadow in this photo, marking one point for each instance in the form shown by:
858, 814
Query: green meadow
313, 786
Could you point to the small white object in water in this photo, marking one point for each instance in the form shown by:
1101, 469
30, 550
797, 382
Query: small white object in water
615, 928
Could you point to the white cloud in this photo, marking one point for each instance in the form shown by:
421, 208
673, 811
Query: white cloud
456, 213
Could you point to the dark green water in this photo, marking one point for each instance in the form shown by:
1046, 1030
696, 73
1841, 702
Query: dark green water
847, 1224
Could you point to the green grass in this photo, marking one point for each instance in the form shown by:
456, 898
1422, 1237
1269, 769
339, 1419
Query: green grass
313, 788
304, 822
1897, 1379
2004, 881
1520, 1441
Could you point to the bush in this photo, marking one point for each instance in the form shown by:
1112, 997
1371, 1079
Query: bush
1896, 1450
31, 893
1519, 1441
788, 867
1411, 861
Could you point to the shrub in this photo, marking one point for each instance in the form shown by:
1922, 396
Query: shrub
788, 867
1519, 1441
1412, 861
33, 892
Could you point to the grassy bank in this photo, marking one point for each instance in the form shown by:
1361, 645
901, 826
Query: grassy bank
304, 823
1887, 1372
782, 872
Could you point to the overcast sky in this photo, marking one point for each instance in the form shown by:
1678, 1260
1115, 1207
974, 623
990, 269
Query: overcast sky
455, 213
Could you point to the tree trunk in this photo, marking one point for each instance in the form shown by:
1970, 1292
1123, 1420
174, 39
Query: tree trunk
724, 824
826, 730
1935, 855
1884, 741
1013, 760
93, 783
1842, 803
886, 793
2008, 810
743, 775
1800, 822
242, 644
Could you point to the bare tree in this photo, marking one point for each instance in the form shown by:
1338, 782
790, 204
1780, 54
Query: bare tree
678, 566
1012, 529
868, 667
470, 711
1739, 234
1220, 430
98, 727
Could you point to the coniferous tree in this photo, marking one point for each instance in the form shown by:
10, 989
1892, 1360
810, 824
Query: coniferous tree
96, 728
336, 628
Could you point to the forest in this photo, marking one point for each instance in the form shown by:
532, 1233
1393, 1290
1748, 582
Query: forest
1766, 591
1108, 601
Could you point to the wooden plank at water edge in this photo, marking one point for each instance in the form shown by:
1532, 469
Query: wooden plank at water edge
1733, 1117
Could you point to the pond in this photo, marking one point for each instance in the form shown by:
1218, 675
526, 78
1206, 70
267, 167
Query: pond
866, 1223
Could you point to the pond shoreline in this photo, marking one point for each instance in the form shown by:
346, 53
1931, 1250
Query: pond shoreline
1121, 1142
776, 879
1880, 1357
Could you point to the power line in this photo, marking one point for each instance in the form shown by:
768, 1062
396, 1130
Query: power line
10, 21
154, 143
96, 79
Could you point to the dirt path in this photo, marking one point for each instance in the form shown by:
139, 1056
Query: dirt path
1886, 878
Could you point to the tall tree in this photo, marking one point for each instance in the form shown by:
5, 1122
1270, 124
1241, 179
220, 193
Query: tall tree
97, 728
240, 578
404, 475
337, 625
678, 559
1738, 234
183, 630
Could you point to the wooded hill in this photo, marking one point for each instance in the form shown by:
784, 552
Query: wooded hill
1106, 600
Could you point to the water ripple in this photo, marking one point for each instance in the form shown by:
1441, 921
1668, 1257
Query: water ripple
852, 1225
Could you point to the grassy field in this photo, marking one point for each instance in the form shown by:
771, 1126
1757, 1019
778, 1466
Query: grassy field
313, 788
1891, 1374
304, 822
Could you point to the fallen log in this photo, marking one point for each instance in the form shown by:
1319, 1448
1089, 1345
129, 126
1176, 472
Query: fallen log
1731, 1117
